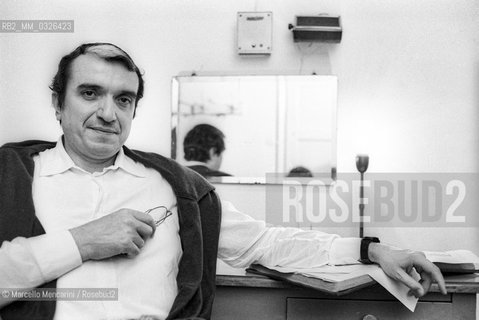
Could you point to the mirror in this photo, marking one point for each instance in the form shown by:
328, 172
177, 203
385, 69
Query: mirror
271, 124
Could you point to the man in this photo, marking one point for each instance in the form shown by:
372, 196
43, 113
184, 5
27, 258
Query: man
204, 146
79, 213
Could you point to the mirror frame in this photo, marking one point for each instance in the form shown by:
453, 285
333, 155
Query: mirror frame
279, 178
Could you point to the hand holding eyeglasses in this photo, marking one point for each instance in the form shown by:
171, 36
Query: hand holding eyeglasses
122, 232
159, 214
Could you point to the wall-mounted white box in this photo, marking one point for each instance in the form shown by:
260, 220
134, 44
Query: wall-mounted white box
255, 33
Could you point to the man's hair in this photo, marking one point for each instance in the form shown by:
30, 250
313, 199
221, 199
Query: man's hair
200, 140
106, 51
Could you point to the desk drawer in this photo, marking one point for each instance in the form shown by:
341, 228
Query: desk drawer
309, 309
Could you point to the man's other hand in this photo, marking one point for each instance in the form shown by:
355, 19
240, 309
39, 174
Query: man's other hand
122, 232
398, 264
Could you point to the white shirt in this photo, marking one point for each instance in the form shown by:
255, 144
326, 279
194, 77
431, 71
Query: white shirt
66, 196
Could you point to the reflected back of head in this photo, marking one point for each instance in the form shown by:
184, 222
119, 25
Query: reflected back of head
200, 140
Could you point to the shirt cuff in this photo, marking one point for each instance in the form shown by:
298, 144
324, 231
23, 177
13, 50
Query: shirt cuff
345, 251
55, 254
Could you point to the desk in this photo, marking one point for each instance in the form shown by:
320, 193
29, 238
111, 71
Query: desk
257, 297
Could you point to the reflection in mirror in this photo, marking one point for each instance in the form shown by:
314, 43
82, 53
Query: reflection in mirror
273, 126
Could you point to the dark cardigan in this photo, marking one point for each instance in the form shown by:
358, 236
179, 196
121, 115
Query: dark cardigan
199, 212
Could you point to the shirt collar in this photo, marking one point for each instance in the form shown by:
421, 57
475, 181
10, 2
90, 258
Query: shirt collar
194, 163
129, 165
56, 161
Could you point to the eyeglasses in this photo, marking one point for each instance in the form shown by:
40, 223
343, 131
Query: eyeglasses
159, 214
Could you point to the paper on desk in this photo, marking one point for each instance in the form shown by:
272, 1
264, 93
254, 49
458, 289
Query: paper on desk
327, 269
396, 288
453, 257
341, 273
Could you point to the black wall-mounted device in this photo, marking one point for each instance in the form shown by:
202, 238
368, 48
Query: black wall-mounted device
317, 28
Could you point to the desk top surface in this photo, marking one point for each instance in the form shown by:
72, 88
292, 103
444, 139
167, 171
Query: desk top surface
466, 283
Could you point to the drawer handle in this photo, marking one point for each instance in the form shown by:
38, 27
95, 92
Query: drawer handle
370, 317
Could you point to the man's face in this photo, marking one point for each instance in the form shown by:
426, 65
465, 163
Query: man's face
98, 109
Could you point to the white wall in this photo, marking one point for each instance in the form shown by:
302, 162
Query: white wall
408, 73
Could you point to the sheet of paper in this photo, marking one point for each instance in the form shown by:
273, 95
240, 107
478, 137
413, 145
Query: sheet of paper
329, 273
345, 269
341, 273
347, 272
455, 256
396, 288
